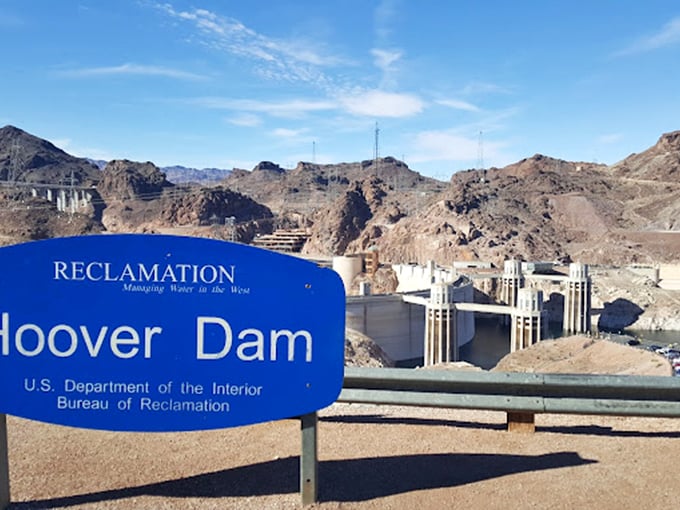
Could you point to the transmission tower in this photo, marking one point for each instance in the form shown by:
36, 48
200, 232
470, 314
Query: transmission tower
376, 154
480, 156
480, 152
14, 158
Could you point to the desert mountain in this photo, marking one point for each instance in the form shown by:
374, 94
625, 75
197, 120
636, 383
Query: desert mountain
139, 198
310, 187
539, 208
27, 158
542, 209
206, 176
659, 163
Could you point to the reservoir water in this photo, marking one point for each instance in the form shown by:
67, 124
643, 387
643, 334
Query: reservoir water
492, 341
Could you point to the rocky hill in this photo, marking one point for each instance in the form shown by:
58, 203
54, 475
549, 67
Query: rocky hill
27, 158
125, 180
539, 208
310, 187
660, 163
139, 198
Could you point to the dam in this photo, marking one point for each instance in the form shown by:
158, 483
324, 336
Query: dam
431, 314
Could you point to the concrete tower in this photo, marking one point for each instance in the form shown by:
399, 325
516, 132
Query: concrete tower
525, 327
511, 281
441, 343
577, 299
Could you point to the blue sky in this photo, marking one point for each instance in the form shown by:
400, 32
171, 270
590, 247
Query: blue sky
211, 83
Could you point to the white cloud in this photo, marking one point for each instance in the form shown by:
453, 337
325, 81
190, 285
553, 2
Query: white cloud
443, 145
245, 120
384, 59
668, 35
377, 103
458, 105
449, 145
294, 108
384, 15
610, 138
282, 59
133, 69
480, 87
288, 133
66, 144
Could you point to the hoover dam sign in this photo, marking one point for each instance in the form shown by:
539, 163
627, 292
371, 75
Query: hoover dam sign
165, 333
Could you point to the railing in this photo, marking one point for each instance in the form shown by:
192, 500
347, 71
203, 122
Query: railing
519, 395
515, 392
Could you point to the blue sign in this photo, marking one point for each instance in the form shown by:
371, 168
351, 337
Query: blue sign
165, 333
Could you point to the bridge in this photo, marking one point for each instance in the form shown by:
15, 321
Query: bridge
67, 198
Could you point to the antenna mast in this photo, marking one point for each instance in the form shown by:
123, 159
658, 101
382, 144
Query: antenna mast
480, 152
376, 154
480, 156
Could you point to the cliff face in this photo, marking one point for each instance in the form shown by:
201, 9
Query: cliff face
624, 300
123, 180
660, 162
27, 158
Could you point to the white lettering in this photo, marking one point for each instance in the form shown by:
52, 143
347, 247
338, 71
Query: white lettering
275, 335
93, 349
4, 334
258, 344
148, 276
63, 341
118, 339
127, 273
52, 344
88, 271
60, 270
200, 337
19, 343
78, 271
254, 348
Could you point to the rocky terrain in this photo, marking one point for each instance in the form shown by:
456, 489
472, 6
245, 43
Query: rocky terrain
539, 208
26, 158
583, 355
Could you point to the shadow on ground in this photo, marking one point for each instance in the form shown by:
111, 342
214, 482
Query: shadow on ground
339, 480
587, 430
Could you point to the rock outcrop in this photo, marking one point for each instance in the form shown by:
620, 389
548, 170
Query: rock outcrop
125, 180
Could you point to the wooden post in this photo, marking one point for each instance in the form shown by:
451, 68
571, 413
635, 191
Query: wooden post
4, 464
309, 466
521, 422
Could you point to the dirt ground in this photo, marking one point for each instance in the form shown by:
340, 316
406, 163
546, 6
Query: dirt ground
370, 458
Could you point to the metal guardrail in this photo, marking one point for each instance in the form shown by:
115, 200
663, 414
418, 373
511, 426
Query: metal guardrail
509, 392
515, 392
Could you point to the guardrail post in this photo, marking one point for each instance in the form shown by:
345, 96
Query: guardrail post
309, 466
4, 464
521, 422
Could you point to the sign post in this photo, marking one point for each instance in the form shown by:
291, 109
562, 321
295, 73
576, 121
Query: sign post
153, 333
4, 464
309, 466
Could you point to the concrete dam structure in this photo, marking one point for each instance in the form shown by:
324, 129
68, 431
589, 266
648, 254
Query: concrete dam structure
432, 313
407, 325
